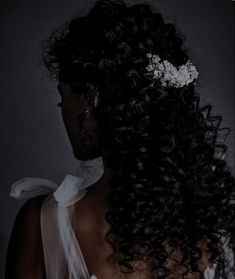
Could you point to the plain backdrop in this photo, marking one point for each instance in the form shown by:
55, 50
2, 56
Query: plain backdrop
33, 139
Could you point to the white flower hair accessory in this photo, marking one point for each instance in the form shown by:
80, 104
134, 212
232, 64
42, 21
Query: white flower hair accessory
168, 74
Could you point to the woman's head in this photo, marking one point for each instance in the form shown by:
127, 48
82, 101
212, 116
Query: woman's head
106, 50
169, 189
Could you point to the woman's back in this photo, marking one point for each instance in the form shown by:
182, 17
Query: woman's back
36, 248
90, 227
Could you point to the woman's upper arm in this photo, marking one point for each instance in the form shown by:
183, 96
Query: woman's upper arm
25, 258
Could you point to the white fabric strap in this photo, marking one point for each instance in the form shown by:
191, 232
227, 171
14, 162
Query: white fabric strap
30, 187
69, 190
73, 254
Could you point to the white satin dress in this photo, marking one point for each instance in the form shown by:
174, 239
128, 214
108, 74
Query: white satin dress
62, 254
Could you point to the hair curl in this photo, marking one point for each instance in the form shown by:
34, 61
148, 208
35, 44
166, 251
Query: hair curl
170, 188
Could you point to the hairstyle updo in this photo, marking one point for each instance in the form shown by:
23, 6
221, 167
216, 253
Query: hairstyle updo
171, 190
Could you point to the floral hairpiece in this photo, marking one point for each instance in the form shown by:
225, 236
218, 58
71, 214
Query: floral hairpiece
168, 74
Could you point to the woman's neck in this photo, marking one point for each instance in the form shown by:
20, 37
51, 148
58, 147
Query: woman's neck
100, 189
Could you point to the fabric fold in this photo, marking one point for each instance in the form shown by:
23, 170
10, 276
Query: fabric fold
30, 187
69, 190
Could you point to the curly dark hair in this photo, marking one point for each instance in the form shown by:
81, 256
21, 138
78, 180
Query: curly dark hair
171, 189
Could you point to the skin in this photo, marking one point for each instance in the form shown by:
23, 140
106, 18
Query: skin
82, 134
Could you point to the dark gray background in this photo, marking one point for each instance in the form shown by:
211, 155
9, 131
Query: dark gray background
33, 139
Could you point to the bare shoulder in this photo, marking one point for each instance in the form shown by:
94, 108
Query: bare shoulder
28, 217
25, 251
31, 207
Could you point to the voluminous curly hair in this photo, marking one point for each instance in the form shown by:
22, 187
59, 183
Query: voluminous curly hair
171, 191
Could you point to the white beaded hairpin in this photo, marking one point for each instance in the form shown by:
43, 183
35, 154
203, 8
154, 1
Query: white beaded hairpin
168, 74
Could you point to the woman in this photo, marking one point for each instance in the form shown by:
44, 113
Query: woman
152, 197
